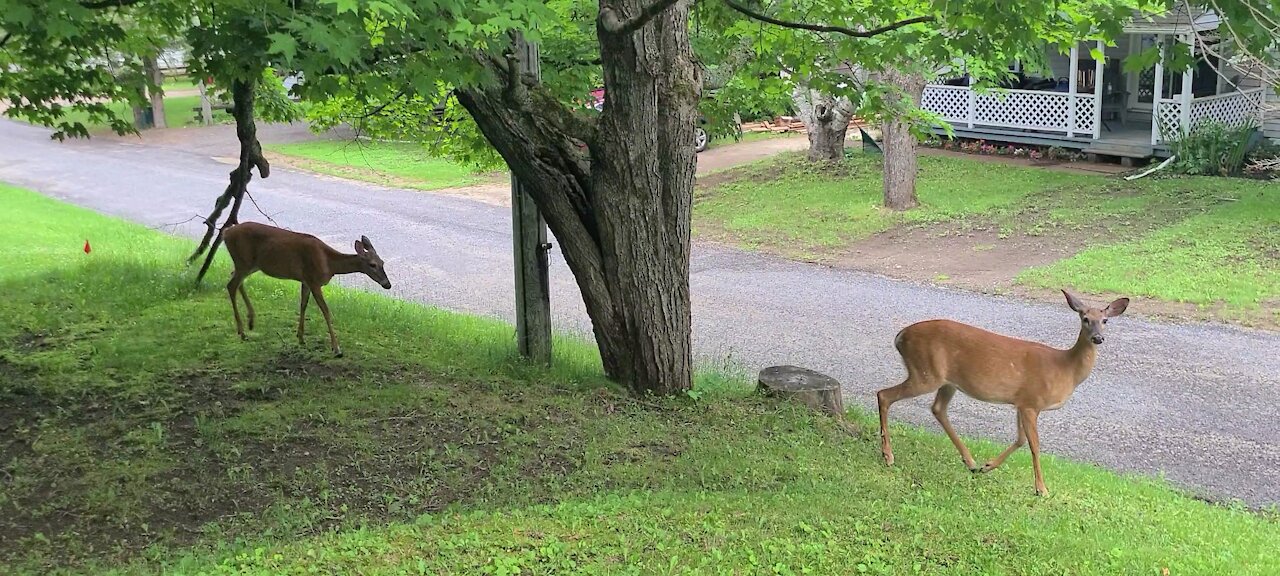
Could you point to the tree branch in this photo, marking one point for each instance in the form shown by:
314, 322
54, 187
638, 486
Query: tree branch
614, 24
394, 98
824, 27
99, 4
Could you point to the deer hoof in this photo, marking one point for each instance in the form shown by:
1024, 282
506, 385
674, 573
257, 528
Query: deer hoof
337, 353
888, 458
1042, 491
243, 337
985, 468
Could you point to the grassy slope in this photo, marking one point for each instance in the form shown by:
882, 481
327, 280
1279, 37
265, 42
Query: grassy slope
784, 202
1228, 254
1196, 240
138, 433
405, 165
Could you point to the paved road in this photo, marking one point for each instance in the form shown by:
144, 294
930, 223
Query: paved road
1196, 403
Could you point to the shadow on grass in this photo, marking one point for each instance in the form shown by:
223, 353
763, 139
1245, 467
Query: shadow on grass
132, 416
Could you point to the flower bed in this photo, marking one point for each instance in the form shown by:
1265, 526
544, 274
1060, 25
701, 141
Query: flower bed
982, 147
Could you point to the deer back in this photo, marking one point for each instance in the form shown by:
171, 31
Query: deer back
279, 253
985, 365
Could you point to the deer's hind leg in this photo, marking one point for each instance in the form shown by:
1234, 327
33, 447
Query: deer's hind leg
248, 306
915, 385
236, 284
302, 311
940, 402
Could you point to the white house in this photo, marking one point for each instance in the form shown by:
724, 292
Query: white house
1095, 106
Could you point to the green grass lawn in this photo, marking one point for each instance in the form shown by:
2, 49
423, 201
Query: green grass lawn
181, 82
1229, 254
393, 164
139, 436
785, 202
178, 112
1205, 241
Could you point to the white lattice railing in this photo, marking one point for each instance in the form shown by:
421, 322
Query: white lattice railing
1167, 120
1230, 109
1019, 109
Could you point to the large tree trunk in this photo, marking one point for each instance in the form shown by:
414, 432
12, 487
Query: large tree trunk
621, 209
826, 119
152, 69
900, 154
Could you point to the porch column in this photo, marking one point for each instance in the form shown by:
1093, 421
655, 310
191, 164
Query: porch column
1071, 88
971, 109
1188, 76
1098, 71
1158, 92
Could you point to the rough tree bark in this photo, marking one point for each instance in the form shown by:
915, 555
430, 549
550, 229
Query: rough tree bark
250, 158
621, 207
900, 154
826, 118
154, 74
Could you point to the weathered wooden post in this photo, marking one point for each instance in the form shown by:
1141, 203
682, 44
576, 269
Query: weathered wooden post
529, 233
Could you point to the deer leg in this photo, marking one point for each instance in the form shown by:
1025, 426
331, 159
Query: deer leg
910, 388
248, 306
1029, 417
232, 287
316, 291
994, 463
302, 311
940, 412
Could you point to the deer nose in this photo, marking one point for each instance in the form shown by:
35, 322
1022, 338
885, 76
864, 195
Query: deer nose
387, 285
1097, 339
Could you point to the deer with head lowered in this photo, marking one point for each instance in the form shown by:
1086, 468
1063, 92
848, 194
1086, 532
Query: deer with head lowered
945, 356
288, 255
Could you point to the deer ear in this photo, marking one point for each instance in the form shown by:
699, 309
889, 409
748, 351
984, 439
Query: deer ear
367, 244
1116, 308
1073, 302
359, 247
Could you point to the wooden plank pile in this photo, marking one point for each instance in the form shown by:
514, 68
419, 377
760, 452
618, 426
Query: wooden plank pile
787, 124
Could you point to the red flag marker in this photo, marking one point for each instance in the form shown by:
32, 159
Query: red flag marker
86, 247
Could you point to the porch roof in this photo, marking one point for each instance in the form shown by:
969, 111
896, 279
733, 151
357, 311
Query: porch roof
1180, 20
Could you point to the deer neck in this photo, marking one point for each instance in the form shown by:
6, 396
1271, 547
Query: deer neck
1081, 357
340, 263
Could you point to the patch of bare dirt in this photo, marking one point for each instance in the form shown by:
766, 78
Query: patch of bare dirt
729, 155
974, 259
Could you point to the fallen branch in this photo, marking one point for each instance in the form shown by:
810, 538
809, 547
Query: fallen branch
1162, 165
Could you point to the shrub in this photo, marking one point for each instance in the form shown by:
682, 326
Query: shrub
1213, 149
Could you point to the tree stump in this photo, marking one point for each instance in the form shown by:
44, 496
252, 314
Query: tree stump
816, 390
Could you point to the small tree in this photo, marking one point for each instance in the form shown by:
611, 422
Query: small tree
906, 86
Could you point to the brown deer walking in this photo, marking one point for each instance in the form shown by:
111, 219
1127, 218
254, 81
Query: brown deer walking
290, 255
944, 355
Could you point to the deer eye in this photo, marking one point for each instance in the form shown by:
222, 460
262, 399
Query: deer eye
1104, 320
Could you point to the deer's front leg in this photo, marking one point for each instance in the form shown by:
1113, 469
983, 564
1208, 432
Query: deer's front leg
302, 311
317, 292
994, 463
1029, 417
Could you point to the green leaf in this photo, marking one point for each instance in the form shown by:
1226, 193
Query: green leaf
284, 45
